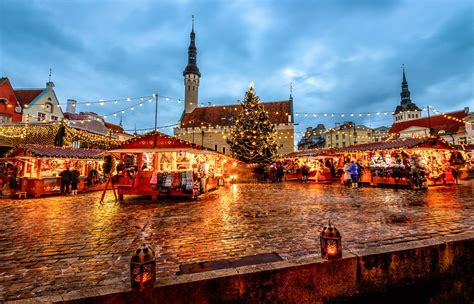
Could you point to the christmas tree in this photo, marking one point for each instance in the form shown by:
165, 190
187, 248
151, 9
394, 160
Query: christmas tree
253, 137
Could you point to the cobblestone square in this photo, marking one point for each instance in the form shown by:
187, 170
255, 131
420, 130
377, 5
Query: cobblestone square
53, 245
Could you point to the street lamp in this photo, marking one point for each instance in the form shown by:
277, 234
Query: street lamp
331, 244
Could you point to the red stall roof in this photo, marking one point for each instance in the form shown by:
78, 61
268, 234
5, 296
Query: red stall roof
55, 152
157, 141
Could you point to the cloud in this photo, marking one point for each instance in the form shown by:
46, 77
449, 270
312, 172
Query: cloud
341, 56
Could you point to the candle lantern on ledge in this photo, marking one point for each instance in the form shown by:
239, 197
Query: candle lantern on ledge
143, 268
331, 244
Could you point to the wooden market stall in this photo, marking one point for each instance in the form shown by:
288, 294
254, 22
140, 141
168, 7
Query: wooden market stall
411, 162
322, 164
156, 164
35, 169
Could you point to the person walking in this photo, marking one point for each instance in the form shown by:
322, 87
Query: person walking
66, 177
347, 174
354, 174
279, 172
305, 173
74, 180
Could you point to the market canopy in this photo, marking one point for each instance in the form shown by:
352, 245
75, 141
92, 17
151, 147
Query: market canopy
426, 142
406, 143
55, 152
159, 142
310, 153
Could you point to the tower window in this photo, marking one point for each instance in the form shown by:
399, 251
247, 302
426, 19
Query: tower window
189, 88
215, 147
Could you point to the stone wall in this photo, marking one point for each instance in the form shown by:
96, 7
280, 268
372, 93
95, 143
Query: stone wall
436, 271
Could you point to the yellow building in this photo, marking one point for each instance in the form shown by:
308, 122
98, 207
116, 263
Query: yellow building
349, 134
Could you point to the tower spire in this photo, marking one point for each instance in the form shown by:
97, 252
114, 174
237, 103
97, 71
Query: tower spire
291, 90
191, 74
405, 94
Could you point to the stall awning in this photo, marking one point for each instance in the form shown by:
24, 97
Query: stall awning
432, 143
55, 152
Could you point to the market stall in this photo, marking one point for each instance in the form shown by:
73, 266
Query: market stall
36, 169
156, 164
415, 162
322, 165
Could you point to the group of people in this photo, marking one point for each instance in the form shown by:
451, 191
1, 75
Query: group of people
352, 173
276, 172
69, 177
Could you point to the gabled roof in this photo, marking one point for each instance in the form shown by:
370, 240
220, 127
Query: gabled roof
26, 96
278, 112
156, 140
438, 123
59, 152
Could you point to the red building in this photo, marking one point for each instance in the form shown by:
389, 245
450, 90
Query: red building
10, 109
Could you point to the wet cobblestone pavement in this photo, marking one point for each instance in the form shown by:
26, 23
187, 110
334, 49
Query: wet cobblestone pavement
55, 245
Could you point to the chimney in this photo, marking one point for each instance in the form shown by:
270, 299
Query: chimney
337, 125
466, 109
71, 106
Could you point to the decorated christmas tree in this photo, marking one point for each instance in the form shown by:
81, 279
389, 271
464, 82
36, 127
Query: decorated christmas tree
253, 137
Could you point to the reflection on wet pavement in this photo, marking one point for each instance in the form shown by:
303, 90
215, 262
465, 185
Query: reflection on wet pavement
57, 244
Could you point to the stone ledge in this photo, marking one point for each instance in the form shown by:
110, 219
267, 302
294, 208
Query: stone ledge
303, 279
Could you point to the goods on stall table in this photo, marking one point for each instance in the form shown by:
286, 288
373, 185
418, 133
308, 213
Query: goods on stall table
165, 181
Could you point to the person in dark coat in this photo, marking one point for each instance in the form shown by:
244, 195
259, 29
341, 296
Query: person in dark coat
74, 180
66, 177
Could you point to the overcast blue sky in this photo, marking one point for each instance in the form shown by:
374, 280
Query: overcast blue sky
342, 56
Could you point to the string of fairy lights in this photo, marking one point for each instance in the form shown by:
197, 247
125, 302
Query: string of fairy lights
133, 103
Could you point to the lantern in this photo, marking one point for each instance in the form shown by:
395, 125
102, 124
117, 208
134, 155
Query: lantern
143, 268
331, 245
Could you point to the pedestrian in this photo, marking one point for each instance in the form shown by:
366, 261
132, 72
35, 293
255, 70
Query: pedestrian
273, 172
347, 174
74, 180
279, 172
305, 173
65, 181
354, 174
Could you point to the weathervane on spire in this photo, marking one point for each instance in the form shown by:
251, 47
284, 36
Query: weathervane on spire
193, 22
251, 85
50, 70
50, 84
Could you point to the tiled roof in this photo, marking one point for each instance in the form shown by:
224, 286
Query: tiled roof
278, 112
438, 123
25, 96
74, 116
53, 151
114, 127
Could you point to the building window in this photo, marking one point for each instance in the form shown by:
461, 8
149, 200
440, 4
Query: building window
337, 137
343, 144
337, 144
41, 116
76, 144
55, 118
48, 107
344, 136
5, 119
376, 139
223, 150
215, 147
